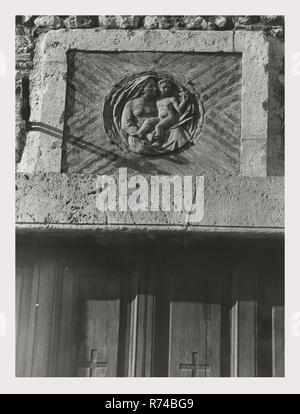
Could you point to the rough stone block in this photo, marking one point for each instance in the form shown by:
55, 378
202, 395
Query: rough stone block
247, 20
223, 22
273, 20
23, 42
77, 22
158, 22
230, 202
49, 22
108, 22
122, 22
254, 158
195, 23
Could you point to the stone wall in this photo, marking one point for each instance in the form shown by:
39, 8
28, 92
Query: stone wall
30, 29
49, 199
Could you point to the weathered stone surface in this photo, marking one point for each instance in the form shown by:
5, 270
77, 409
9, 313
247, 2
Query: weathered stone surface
56, 199
214, 148
24, 47
204, 22
247, 20
129, 22
122, 22
24, 41
33, 155
51, 61
271, 25
255, 95
158, 22
77, 22
49, 22
223, 22
24, 65
254, 157
273, 20
277, 32
276, 109
51, 76
108, 22
148, 40
195, 22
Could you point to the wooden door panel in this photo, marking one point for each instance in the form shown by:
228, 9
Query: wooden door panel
195, 302
99, 324
161, 312
27, 279
92, 321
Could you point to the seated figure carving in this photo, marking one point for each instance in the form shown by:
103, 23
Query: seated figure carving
152, 115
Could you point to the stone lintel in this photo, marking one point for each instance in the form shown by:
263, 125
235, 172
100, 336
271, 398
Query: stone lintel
240, 204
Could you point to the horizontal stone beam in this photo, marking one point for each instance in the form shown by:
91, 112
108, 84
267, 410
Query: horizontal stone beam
61, 202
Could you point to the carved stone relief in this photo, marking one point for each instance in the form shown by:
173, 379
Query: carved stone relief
151, 113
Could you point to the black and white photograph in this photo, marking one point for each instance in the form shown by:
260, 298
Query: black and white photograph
149, 203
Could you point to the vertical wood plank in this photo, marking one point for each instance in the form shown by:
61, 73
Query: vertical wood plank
234, 328
131, 326
214, 351
90, 321
27, 277
162, 324
278, 342
189, 325
65, 307
265, 300
42, 348
278, 329
247, 329
102, 325
145, 320
132, 335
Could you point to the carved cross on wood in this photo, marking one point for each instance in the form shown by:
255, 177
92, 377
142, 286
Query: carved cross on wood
195, 366
94, 364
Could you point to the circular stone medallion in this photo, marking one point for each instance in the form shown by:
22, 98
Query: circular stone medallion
153, 114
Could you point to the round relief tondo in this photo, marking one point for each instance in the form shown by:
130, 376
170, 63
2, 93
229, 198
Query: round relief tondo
152, 113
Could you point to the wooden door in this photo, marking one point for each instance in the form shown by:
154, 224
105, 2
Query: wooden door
193, 310
220, 313
92, 315
145, 311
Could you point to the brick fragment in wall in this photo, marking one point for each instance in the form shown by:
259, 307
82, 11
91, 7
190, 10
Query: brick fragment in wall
24, 61
150, 21
223, 22
25, 20
107, 22
273, 20
129, 22
121, 21
48, 22
77, 22
195, 23
247, 20
24, 48
23, 41
277, 32
158, 22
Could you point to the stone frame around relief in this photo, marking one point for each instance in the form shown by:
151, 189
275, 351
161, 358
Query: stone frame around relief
46, 138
